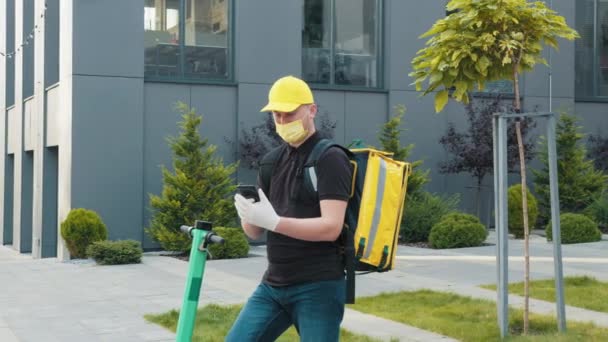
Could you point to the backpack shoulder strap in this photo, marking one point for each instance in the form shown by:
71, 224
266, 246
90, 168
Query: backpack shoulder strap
347, 235
267, 166
311, 162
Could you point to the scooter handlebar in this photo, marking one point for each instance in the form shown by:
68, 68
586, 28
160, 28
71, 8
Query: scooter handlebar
186, 229
216, 239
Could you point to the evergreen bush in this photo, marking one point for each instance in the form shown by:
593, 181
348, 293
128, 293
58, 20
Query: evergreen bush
390, 140
235, 244
81, 228
598, 211
200, 187
516, 220
458, 230
115, 252
579, 182
575, 228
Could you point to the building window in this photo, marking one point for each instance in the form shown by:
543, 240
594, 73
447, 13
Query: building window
187, 39
341, 42
591, 59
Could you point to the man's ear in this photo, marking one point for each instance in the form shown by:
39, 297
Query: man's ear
313, 110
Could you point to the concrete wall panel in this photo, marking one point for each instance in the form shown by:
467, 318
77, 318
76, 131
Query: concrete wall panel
107, 155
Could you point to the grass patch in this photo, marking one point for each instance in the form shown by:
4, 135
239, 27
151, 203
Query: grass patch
583, 292
468, 319
214, 321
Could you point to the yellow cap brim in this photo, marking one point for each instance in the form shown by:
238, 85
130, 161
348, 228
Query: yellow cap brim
283, 107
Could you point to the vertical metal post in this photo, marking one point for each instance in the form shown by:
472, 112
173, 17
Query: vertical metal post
501, 229
555, 220
495, 149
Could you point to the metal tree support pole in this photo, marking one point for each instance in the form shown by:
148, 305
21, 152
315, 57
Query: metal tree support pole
499, 126
555, 226
502, 248
496, 220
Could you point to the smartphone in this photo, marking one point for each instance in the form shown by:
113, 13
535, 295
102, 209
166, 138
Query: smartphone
248, 191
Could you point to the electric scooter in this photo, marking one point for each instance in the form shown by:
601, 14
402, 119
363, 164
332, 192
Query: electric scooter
202, 236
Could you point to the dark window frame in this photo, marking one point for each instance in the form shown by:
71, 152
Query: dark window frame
380, 53
230, 53
599, 35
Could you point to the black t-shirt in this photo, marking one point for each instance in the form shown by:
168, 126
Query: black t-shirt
293, 261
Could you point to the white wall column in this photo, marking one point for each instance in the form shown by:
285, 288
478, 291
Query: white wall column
3, 62
64, 186
38, 128
18, 134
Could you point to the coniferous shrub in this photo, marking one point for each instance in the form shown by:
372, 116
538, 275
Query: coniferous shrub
235, 244
390, 140
458, 230
81, 228
575, 228
200, 187
422, 212
115, 252
598, 211
579, 182
516, 220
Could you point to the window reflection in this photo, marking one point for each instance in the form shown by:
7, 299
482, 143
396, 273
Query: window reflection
161, 37
340, 42
591, 53
206, 38
202, 54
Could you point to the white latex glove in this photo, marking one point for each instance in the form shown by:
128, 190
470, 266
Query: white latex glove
259, 214
241, 207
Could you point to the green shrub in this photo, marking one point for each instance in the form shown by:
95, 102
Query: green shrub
598, 211
457, 230
422, 212
198, 187
516, 220
575, 228
115, 252
235, 244
81, 228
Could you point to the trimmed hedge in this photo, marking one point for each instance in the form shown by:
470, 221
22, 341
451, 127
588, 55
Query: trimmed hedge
575, 228
458, 230
115, 252
81, 228
235, 244
516, 220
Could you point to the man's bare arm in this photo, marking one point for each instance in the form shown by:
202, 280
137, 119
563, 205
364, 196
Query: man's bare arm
324, 228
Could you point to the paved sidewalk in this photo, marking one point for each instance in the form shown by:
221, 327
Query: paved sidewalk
47, 300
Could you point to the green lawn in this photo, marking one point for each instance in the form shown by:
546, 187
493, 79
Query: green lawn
583, 292
468, 319
214, 321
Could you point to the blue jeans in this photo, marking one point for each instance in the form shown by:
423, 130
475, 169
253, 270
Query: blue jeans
316, 309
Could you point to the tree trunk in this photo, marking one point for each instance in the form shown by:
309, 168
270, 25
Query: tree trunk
516, 101
524, 198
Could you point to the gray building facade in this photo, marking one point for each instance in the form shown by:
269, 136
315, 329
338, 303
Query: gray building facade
89, 89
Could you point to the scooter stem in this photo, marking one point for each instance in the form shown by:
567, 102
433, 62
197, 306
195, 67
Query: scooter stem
196, 269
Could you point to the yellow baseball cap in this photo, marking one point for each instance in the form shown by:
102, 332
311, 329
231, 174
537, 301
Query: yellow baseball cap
287, 94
